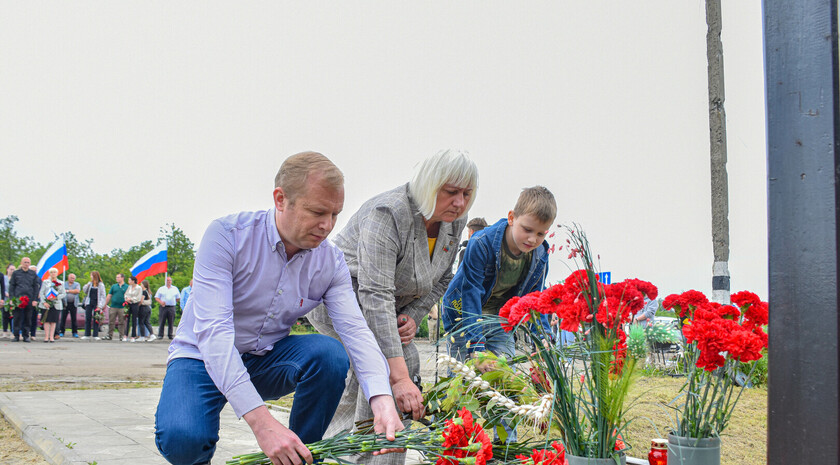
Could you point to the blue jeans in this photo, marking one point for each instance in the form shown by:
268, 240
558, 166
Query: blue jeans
187, 419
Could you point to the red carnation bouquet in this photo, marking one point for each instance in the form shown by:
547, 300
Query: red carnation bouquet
721, 339
456, 441
588, 397
16, 302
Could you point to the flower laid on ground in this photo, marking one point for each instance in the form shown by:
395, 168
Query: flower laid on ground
554, 456
462, 441
721, 340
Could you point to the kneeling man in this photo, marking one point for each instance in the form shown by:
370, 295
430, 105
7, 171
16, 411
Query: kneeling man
255, 274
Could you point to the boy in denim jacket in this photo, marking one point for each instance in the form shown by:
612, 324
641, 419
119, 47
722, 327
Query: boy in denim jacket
507, 259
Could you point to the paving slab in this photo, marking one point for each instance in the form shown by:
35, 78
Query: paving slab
106, 426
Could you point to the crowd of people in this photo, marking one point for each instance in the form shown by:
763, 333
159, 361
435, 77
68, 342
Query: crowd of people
53, 305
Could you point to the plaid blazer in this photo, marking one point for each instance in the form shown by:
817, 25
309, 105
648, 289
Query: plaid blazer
386, 248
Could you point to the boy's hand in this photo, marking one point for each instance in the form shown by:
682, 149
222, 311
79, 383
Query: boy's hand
485, 366
407, 328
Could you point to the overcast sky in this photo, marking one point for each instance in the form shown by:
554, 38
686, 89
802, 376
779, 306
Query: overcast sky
119, 117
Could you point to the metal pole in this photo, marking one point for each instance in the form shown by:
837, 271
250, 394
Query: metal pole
803, 142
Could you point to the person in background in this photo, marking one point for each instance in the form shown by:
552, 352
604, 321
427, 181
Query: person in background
94, 300
24, 282
646, 315
473, 226
70, 308
167, 296
7, 320
134, 296
400, 247
52, 296
146, 313
116, 311
185, 296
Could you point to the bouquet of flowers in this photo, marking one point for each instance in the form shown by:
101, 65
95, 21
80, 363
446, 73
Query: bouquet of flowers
587, 380
721, 339
16, 302
461, 441
98, 315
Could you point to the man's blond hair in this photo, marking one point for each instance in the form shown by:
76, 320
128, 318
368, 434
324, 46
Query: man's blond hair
295, 171
537, 201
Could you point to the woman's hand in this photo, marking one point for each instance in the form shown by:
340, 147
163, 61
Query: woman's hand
408, 398
407, 328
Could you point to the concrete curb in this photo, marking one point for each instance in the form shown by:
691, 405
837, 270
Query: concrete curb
48, 446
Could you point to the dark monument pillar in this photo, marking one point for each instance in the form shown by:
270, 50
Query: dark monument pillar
803, 140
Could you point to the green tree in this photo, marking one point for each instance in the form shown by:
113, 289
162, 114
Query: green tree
13, 246
180, 252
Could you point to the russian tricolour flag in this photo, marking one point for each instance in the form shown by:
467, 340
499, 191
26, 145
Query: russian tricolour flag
150, 264
54, 257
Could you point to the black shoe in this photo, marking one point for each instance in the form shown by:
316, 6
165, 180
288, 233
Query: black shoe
26, 339
17, 339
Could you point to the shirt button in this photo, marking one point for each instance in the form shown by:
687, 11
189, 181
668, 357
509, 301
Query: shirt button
280, 292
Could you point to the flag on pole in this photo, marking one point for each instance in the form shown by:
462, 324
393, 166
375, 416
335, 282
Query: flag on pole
150, 264
54, 257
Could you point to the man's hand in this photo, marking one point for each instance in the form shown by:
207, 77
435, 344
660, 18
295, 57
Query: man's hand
408, 397
407, 328
385, 419
279, 443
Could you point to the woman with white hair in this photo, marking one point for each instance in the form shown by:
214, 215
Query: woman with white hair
51, 300
400, 247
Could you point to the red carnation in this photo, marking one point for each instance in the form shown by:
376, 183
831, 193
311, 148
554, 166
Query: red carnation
546, 456
463, 438
24, 301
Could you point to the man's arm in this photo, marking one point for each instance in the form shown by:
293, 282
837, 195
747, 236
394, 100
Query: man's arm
108, 297
369, 363
212, 312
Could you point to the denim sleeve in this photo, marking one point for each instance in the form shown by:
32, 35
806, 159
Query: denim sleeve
476, 258
213, 314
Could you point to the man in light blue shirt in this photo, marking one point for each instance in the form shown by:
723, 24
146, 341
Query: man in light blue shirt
166, 297
185, 295
255, 274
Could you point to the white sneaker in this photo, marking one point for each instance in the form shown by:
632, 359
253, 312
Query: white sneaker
151, 338
84, 337
97, 338
123, 339
132, 340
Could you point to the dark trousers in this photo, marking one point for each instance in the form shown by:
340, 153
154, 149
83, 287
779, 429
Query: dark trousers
7, 320
133, 316
21, 321
145, 315
69, 309
166, 316
33, 322
90, 323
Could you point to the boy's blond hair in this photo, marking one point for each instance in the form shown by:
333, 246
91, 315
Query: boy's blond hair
537, 201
